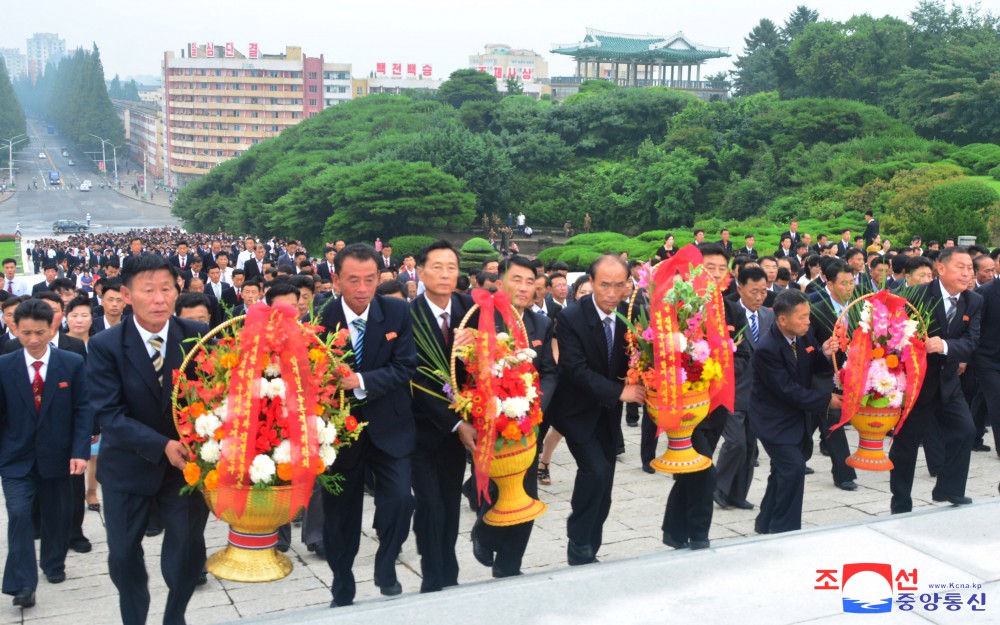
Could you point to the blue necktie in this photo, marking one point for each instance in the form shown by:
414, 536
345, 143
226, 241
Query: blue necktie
359, 346
609, 337
753, 328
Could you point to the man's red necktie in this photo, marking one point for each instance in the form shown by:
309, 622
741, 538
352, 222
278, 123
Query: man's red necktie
38, 384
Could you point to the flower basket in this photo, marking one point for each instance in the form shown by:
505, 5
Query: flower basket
681, 456
501, 398
261, 419
883, 373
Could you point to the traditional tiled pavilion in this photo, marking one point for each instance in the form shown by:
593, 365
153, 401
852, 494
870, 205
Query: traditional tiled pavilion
640, 60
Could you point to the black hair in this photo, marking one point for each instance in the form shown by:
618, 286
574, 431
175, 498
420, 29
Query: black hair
834, 269
487, 276
898, 263
946, 254
76, 302
462, 284
916, 262
114, 262
851, 253
784, 274
303, 281
11, 301
134, 265
358, 251
114, 284
286, 269
254, 282
787, 301
390, 287
750, 274
34, 309
49, 296
440, 244
518, 260
8, 260
50, 265
559, 266
279, 288
698, 231
192, 300
62, 284
714, 249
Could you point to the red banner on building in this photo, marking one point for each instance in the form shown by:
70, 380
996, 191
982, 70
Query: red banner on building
230, 50
397, 69
193, 50
253, 51
428, 71
411, 69
210, 50
380, 68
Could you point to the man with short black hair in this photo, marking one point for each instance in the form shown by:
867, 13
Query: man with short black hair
51, 271
12, 285
871, 228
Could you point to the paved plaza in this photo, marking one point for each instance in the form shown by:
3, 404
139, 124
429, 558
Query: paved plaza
88, 597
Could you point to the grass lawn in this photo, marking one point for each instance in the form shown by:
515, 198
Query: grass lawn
988, 181
9, 249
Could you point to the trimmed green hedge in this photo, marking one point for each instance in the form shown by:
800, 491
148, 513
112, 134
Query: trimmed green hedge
475, 251
409, 244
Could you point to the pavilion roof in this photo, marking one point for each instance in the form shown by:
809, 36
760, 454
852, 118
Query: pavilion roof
599, 44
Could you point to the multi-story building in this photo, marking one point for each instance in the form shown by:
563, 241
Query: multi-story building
505, 62
143, 135
219, 102
43, 48
17, 63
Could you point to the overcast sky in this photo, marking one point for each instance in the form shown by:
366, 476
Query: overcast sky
133, 36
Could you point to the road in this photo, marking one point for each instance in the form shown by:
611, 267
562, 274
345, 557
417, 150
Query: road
36, 209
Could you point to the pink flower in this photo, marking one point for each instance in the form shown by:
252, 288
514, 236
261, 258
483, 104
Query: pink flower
648, 334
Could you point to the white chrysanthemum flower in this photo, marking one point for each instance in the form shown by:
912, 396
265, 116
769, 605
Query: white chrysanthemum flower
207, 424
327, 454
283, 452
515, 407
273, 369
327, 434
262, 469
910, 328
319, 424
223, 410
211, 451
885, 384
895, 399
502, 336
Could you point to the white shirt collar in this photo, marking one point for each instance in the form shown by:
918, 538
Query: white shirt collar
748, 311
437, 311
349, 315
837, 306
146, 335
944, 292
29, 360
603, 315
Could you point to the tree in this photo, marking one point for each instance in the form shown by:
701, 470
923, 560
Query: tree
396, 198
514, 86
467, 85
801, 17
755, 67
12, 122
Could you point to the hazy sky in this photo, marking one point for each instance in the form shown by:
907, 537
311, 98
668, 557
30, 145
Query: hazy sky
133, 36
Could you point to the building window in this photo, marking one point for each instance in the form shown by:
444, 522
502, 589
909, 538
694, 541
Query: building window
275, 128
312, 101
312, 88
360, 91
295, 115
312, 75
274, 87
275, 114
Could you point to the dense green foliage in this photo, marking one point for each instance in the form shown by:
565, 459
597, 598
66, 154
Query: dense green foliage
936, 71
409, 244
123, 91
475, 252
73, 96
12, 121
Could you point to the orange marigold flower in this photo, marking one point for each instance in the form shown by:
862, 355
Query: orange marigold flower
196, 409
878, 352
212, 480
892, 361
285, 471
512, 432
192, 473
350, 423
318, 465
229, 360
317, 355
219, 434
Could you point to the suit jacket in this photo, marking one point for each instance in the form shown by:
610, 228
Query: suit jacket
323, 270
588, 391
551, 308
987, 355
404, 275
942, 380
132, 407
250, 269
382, 262
744, 379
434, 419
782, 394
747, 251
41, 286
63, 341
843, 247
175, 260
794, 236
871, 231
726, 245
389, 363
228, 300
47, 438
540, 331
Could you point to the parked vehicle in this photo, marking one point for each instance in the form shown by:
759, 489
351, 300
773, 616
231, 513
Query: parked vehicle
66, 225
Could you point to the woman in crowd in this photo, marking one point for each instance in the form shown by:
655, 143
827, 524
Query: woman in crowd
79, 322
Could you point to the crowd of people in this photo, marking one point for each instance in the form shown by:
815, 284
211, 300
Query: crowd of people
124, 304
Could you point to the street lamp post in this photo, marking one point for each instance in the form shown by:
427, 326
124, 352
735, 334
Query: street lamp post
104, 157
10, 156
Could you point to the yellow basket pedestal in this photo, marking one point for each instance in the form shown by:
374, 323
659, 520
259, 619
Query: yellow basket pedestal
681, 456
513, 505
872, 425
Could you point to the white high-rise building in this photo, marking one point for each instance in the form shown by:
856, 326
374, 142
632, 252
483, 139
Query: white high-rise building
44, 48
17, 63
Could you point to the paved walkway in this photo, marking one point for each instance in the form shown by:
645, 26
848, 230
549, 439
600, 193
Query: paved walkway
633, 530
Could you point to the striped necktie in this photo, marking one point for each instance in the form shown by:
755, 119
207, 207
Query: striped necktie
157, 358
754, 328
359, 346
951, 311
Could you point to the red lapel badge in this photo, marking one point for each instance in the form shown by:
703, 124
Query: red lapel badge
390, 336
965, 318
536, 343
810, 349
64, 385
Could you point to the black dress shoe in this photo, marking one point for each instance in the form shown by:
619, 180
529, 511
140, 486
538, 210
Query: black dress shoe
742, 505
699, 544
954, 500
648, 469
981, 447
720, 499
392, 589
58, 578
80, 545
847, 485
318, 548
470, 495
153, 531
578, 555
483, 555
282, 548
669, 541
498, 574
620, 450
24, 598
334, 604
632, 424
202, 577
809, 470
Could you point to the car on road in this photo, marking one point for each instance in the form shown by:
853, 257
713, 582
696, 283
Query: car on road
65, 152
71, 163
41, 155
85, 185
66, 225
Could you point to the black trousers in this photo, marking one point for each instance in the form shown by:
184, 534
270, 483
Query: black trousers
78, 500
342, 522
20, 495
836, 440
988, 375
632, 413
438, 470
736, 457
688, 515
595, 476
954, 426
182, 555
507, 543
781, 507
312, 522
647, 442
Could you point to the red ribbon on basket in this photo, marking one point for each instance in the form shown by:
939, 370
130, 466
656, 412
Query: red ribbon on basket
267, 330
722, 392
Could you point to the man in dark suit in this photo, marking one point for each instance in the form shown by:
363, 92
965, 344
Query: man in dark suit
51, 271
792, 233
871, 229
223, 296
503, 547
45, 429
688, 514
141, 460
384, 361
288, 257
408, 272
182, 258
844, 244
325, 269
557, 292
780, 400
386, 261
443, 437
986, 358
785, 248
254, 267
587, 406
825, 308
739, 450
748, 247
724, 241
954, 314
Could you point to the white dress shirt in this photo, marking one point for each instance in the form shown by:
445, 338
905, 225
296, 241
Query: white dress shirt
349, 318
437, 312
603, 315
29, 361
947, 308
146, 335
